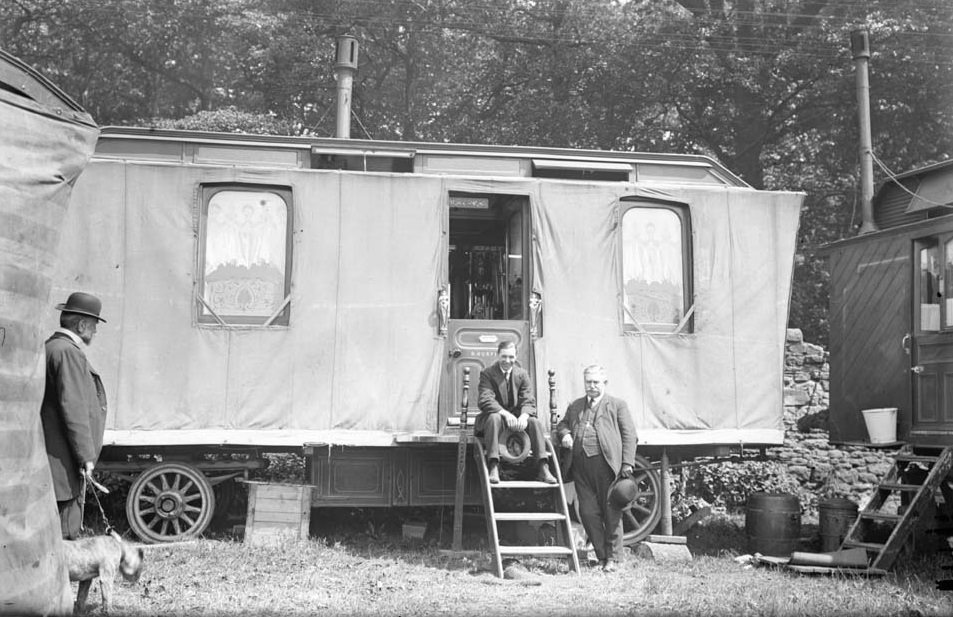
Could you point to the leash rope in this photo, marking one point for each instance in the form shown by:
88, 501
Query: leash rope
93, 486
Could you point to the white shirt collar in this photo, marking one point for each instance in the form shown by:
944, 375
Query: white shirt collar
75, 337
594, 402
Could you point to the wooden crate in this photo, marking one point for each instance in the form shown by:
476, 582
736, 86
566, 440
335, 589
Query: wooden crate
277, 512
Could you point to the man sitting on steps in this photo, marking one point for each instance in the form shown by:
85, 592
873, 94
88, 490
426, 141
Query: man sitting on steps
505, 398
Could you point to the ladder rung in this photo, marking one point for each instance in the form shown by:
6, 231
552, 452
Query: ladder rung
528, 516
523, 484
880, 516
536, 550
893, 486
916, 458
870, 546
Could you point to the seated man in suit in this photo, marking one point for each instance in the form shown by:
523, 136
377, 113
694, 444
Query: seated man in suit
506, 400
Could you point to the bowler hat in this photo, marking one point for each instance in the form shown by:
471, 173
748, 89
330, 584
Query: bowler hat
82, 303
622, 493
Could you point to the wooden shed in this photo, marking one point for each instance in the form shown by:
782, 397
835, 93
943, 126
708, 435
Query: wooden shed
891, 339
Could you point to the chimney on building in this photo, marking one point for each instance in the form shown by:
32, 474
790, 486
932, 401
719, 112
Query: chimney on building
860, 50
344, 68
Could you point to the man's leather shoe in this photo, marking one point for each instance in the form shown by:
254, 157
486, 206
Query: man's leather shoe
545, 475
493, 472
609, 566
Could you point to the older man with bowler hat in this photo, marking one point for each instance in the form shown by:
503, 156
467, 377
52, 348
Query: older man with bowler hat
599, 431
74, 407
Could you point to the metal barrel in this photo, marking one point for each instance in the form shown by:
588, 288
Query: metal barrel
835, 516
773, 523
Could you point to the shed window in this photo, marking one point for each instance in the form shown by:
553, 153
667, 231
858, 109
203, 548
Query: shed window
656, 268
245, 261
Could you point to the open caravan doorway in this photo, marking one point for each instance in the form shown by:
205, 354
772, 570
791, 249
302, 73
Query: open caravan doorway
489, 286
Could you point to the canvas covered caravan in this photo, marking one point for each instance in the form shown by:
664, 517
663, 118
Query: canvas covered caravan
322, 293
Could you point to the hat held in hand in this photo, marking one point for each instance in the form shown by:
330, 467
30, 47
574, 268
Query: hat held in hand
622, 493
82, 303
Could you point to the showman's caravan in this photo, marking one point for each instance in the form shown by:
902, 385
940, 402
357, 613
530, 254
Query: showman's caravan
324, 295
337, 297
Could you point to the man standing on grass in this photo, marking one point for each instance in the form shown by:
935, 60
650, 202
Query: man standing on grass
73, 412
600, 433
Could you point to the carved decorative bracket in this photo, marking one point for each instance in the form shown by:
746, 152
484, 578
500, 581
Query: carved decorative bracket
535, 309
443, 309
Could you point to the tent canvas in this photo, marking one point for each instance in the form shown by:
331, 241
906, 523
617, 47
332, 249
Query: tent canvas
46, 143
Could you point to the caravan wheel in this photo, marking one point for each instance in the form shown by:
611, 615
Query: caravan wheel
170, 502
640, 519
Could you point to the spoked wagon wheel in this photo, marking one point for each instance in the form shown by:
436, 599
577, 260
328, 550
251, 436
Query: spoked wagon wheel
170, 502
640, 519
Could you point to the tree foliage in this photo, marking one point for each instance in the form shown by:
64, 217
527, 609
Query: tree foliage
765, 86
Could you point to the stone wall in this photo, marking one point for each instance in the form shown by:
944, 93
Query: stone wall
824, 470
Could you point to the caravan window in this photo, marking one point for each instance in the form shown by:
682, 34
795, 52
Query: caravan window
656, 268
244, 256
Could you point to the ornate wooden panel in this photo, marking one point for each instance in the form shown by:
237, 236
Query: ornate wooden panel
352, 477
433, 477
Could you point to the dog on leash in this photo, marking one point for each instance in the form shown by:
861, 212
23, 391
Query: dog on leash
101, 556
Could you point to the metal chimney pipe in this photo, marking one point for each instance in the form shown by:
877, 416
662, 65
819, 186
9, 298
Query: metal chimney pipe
344, 69
860, 49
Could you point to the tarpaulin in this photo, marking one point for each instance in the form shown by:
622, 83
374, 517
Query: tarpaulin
717, 382
46, 144
360, 360
360, 355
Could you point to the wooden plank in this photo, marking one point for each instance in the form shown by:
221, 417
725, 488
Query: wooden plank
277, 517
524, 484
282, 505
528, 516
551, 551
267, 492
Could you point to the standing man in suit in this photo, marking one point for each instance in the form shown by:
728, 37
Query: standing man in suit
74, 407
599, 431
505, 397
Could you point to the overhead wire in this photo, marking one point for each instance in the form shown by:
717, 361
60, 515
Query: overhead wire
891, 176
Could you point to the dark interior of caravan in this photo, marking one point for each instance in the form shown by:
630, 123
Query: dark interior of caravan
488, 263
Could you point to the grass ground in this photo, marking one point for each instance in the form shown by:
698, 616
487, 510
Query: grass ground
355, 565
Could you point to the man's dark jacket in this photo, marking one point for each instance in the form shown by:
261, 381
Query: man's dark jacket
614, 427
73, 413
492, 396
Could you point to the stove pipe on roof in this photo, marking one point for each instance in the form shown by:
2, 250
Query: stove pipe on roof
344, 69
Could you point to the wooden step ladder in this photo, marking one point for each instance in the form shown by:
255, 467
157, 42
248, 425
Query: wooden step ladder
917, 489
560, 517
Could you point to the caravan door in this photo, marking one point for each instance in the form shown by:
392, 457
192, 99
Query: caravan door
489, 292
932, 350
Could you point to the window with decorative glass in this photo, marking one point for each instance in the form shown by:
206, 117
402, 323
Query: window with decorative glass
656, 267
245, 256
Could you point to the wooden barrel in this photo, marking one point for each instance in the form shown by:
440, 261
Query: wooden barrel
41, 154
835, 516
773, 523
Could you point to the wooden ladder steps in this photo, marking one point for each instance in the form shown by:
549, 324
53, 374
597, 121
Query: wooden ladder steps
896, 486
528, 516
524, 484
550, 551
870, 546
916, 458
880, 516
917, 498
564, 536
